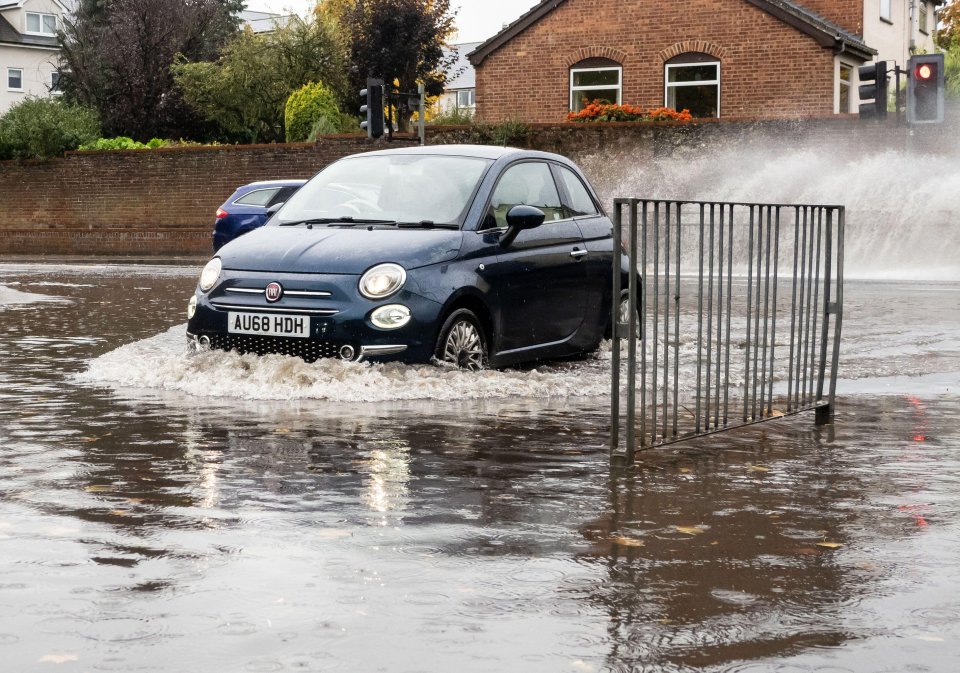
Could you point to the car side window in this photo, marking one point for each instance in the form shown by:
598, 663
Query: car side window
580, 201
530, 183
258, 197
282, 195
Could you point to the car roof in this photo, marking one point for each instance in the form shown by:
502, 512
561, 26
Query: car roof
276, 183
478, 151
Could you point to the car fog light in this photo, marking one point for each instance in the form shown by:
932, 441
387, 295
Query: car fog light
191, 307
382, 281
392, 316
210, 274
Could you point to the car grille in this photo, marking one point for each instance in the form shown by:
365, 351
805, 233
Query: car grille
307, 349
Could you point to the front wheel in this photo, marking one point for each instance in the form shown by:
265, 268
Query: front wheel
624, 315
461, 341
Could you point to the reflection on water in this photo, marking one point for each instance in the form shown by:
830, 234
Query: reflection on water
147, 529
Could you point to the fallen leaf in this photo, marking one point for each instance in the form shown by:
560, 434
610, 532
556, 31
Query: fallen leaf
119, 512
685, 470
689, 530
97, 489
627, 541
830, 545
776, 413
758, 468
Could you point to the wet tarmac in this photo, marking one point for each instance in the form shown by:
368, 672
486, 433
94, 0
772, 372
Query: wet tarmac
168, 517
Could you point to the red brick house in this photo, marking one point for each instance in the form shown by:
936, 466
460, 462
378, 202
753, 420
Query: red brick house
717, 58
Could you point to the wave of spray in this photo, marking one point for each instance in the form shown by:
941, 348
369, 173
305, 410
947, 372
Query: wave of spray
903, 206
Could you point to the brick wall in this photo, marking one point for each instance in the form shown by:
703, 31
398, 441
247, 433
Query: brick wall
160, 203
847, 14
146, 202
768, 69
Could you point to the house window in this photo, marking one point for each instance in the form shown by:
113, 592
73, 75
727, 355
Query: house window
924, 25
15, 79
692, 82
466, 98
595, 79
885, 11
55, 82
41, 24
846, 72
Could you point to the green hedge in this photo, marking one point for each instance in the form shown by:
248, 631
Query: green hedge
310, 111
42, 128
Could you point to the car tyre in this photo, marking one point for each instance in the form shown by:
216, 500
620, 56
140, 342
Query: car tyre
462, 342
624, 315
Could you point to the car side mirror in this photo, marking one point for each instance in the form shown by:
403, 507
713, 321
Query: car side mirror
272, 210
520, 218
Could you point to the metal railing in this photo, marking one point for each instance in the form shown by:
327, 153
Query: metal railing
737, 321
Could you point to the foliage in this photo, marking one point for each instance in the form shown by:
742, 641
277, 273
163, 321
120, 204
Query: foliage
948, 36
455, 116
311, 109
599, 111
951, 70
245, 90
125, 143
400, 41
41, 128
116, 57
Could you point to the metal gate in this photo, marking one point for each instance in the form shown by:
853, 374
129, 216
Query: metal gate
737, 320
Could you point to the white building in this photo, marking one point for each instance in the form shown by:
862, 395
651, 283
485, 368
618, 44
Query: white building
460, 91
28, 48
263, 22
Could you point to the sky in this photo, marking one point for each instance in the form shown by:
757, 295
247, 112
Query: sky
477, 20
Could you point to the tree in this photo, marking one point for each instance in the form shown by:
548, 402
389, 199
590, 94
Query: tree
42, 128
244, 91
948, 36
311, 107
400, 41
116, 57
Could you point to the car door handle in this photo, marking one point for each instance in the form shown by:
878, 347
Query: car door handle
578, 253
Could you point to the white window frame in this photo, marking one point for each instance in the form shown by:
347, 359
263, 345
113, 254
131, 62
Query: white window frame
850, 86
885, 11
923, 18
9, 72
40, 16
598, 87
667, 84
471, 96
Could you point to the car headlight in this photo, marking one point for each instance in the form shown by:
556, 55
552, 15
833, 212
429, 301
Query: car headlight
210, 274
382, 281
191, 307
391, 316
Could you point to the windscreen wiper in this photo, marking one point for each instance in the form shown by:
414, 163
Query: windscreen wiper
347, 221
427, 224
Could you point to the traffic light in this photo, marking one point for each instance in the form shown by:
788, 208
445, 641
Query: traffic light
372, 108
873, 90
925, 89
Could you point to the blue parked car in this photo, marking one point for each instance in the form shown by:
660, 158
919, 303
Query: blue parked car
470, 255
246, 209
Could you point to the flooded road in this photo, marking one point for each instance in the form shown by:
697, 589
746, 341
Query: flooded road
243, 514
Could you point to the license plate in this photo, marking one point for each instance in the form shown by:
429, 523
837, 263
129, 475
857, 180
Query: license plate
269, 324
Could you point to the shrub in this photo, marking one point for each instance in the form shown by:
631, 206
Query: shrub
311, 109
600, 111
42, 128
452, 117
125, 143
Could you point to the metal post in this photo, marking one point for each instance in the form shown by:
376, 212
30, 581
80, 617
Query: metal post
422, 121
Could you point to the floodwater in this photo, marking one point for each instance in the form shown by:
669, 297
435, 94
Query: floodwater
225, 513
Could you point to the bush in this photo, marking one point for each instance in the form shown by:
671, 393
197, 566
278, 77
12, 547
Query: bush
600, 111
452, 117
42, 128
125, 143
311, 109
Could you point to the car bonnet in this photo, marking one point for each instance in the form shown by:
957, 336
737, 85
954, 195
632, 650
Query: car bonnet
333, 250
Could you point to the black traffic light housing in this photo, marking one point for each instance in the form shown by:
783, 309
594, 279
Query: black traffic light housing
925, 84
372, 108
873, 90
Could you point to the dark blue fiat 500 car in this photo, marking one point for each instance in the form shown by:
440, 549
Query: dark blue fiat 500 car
472, 255
247, 208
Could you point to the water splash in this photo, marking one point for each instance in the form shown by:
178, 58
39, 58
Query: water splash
902, 205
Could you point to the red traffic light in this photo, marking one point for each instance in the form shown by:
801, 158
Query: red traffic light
923, 71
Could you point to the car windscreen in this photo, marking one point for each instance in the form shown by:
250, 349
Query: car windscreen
395, 187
